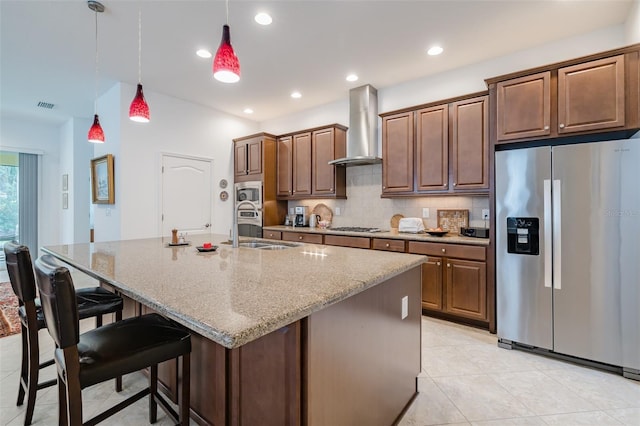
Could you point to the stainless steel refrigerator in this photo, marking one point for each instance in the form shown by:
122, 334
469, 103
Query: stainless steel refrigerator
568, 250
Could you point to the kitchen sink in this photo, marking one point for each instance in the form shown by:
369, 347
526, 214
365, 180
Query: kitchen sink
264, 245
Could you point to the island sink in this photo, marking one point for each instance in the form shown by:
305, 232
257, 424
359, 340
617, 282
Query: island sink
264, 245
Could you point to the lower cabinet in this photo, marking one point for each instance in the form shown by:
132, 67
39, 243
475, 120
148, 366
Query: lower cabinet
454, 279
302, 237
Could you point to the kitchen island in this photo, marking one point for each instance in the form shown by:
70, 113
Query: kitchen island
307, 334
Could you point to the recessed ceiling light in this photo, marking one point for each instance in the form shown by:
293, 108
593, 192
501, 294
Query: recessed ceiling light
263, 18
248, 111
435, 50
352, 77
296, 95
203, 53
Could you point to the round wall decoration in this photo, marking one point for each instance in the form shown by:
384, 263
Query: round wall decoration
224, 195
223, 183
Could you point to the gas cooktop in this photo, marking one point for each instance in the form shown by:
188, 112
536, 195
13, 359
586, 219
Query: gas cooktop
355, 229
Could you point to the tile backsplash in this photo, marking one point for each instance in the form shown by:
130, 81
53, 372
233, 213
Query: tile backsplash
364, 207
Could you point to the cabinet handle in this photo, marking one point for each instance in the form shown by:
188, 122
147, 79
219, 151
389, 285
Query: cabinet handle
561, 126
444, 185
386, 245
438, 263
384, 187
448, 265
444, 250
454, 184
300, 237
330, 189
546, 127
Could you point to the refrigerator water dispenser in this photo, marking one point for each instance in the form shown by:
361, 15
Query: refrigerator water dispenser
523, 236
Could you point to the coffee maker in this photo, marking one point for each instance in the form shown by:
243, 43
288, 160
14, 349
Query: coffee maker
301, 217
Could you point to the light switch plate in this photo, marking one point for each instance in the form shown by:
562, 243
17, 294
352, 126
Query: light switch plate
338, 211
405, 307
425, 212
485, 213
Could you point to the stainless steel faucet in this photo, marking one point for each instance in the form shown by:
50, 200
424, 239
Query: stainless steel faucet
234, 230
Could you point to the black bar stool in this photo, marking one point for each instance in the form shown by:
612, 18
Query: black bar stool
106, 352
92, 302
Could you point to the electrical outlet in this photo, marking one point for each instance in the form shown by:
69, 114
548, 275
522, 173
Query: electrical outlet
107, 212
485, 214
291, 210
425, 212
405, 307
338, 211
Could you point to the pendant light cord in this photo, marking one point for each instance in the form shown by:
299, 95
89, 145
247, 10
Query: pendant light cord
227, 3
139, 45
95, 102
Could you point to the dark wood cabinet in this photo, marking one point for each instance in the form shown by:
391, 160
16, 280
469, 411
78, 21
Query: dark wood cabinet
451, 146
303, 164
248, 158
388, 244
470, 144
591, 96
397, 153
302, 237
594, 94
347, 241
432, 148
524, 107
454, 280
285, 167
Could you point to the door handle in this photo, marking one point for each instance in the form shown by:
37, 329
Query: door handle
557, 234
206, 225
548, 245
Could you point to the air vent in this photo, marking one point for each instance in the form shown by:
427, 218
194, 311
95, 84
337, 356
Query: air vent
46, 105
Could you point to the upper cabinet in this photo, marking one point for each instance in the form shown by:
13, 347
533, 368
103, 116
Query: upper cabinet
440, 149
249, 155
585, 95
303, 164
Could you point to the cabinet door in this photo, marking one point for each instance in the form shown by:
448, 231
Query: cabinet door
397, 153
323, 172
432, 148
470, 143
523, 107
466, 288
284, 158
240, 158
302, 164
432, 284
591, 96
254, 157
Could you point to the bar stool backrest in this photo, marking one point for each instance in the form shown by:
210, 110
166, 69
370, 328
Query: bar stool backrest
58, 300
20, 271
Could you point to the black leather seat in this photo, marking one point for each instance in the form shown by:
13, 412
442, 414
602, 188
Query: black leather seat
106, 352
92, 302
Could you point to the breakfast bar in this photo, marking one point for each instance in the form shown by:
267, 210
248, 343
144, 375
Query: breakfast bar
283, 333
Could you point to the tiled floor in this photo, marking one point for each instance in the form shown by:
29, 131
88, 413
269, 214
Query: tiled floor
466, 379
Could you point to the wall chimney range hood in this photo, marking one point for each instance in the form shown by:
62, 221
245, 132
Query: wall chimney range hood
362, 136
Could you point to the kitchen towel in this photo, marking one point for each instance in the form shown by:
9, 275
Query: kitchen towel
411, 224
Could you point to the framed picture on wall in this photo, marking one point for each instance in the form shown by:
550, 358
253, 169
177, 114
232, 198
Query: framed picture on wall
102, 180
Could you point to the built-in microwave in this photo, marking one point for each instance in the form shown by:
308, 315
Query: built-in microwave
249, 191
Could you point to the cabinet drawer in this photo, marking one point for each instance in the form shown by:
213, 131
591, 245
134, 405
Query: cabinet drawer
302, 237
344, 241
448, 250
388, 244
272, 235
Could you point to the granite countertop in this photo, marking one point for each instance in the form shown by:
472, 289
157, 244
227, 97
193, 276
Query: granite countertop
449, 238
234, 296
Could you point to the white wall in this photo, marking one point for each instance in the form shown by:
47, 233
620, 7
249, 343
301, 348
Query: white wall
364, 206
176, 127
20, 134
632, 27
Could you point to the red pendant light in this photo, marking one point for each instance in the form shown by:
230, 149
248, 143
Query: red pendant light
96, 135
139, 109
226, 67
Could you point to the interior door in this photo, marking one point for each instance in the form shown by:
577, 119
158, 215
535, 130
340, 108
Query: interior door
186, 194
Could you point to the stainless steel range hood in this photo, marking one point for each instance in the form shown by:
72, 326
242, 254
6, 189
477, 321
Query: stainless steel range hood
362, 137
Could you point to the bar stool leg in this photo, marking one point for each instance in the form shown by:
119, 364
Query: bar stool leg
32, 375
24, 369
62, 402
186, 389
153, 387
119, 378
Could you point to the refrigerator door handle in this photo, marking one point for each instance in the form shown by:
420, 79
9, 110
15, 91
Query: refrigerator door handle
547, 233
557, 234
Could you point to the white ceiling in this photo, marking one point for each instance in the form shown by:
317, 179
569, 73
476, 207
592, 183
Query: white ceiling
47, 47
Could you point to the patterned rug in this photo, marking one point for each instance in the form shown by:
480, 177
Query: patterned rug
9, 319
